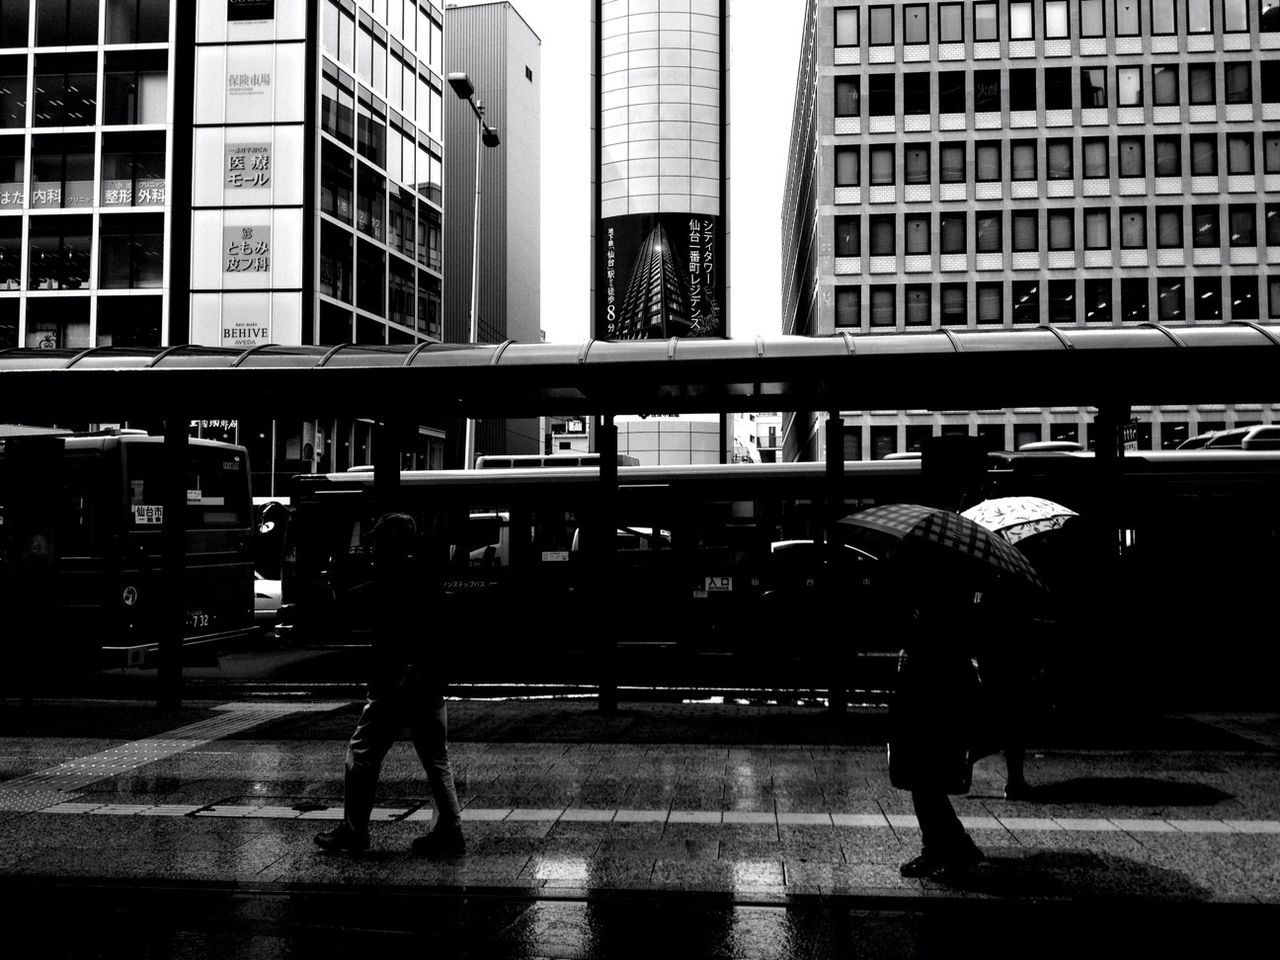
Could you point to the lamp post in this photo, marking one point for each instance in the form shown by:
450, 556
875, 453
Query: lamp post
488, 136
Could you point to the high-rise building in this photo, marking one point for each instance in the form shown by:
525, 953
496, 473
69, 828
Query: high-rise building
500, 53
660, 169
227, 173
1007, 164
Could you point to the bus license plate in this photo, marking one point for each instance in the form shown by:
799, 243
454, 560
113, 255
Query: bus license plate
198, 619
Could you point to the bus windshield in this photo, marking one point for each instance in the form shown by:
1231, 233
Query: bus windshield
217, 494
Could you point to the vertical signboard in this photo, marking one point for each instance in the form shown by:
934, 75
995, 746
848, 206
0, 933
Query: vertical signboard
660, 166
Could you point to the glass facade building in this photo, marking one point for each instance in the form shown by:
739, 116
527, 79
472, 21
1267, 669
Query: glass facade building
1005, 164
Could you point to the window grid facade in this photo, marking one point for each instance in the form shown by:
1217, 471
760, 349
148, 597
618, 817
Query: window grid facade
1087, 163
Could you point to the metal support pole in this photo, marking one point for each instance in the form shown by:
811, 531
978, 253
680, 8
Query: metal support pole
473, 330
607, 548
834, 508
387, 441
170, 608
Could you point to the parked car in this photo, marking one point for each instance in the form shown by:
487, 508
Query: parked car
1262, 436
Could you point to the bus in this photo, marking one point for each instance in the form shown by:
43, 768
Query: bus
107, 549
493, 461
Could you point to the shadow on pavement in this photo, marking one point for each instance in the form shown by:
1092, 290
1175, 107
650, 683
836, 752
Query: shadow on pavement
1128, 791
1077, 875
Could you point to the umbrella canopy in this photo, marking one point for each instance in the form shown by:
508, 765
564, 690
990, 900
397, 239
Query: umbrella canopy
902, 526
1016, 518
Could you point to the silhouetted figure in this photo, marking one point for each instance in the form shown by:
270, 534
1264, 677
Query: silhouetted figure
403, 690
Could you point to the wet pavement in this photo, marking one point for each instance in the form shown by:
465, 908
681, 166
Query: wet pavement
734, 830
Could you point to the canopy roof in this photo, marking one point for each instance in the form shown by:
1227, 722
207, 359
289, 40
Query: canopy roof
941, 369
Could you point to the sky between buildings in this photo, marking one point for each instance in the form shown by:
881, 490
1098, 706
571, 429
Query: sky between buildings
764, 46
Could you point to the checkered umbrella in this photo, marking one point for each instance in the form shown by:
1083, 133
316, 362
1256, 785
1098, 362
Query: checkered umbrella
1016, 518
896, 525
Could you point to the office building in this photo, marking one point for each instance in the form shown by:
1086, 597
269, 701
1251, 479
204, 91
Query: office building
660, 169
500, 53
1007, 164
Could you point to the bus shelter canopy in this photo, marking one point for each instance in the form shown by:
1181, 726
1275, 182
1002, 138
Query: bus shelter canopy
963, 369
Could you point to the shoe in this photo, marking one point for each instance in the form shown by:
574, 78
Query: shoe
443, 841
343, 838
958, 863
922, 866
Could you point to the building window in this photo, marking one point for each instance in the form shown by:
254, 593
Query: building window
881, 24
880, 95
1164, 86
1269, 20
1204, 155
1093, 87
1133, 161
918, 307
1168, 156
882, 165
1057, 88
883, 305
1164, 21
1169, 228
10, 265
986, 91
987, 232
371, 202
132, 251
65, 90
951, 95
1128, 18
1271, 153
136, 88
1097, 229
1235, 16
371, 277
1244, 298
916, 230
1273, 297
1200, 87
915, 23
1058, 159
847, 99
1204, 226
915, 94
1271, 219
848, 236
59, 252
1093, 21
66, 23
1238, 82
951, 23
1097, 300
1022, 89
1199, 16
986, 161
1240, 153
400, 217
953, 233
13, 174
990, 297
848, 166
133, 169
1133, 228
915, 163
1057, 21
1096, 158
883, 235
1171, 299
1026, 301
1062, 301
528, 74
401, 295
951, 162
371, 128
337, 109
1134, 305
1271, 80
137, 21
848, 306
986, 22
1242, 223
1023, 159
1026, 231
335, 182
1062, 231
62, 171
430, 304
336, 247
1022, 24
1208, 298
1129, 86
846, 26
954, 304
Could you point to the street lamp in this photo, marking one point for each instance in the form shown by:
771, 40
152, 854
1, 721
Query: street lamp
487, 135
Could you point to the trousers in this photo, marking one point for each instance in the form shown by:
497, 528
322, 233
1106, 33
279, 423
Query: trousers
385, 714
941, 832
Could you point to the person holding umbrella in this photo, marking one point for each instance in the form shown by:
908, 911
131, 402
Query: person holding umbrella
941, 570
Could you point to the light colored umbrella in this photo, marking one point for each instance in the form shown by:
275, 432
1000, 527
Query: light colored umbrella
1016, 518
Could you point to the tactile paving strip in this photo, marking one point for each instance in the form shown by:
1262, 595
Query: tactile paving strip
58, 784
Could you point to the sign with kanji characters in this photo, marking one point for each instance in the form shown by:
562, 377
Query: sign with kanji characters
240, 10
248, 165
148, 513
245, 84
246, 249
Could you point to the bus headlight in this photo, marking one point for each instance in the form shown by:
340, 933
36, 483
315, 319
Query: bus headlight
129, 595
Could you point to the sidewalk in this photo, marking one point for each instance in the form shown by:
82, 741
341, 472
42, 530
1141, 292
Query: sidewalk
757, 804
